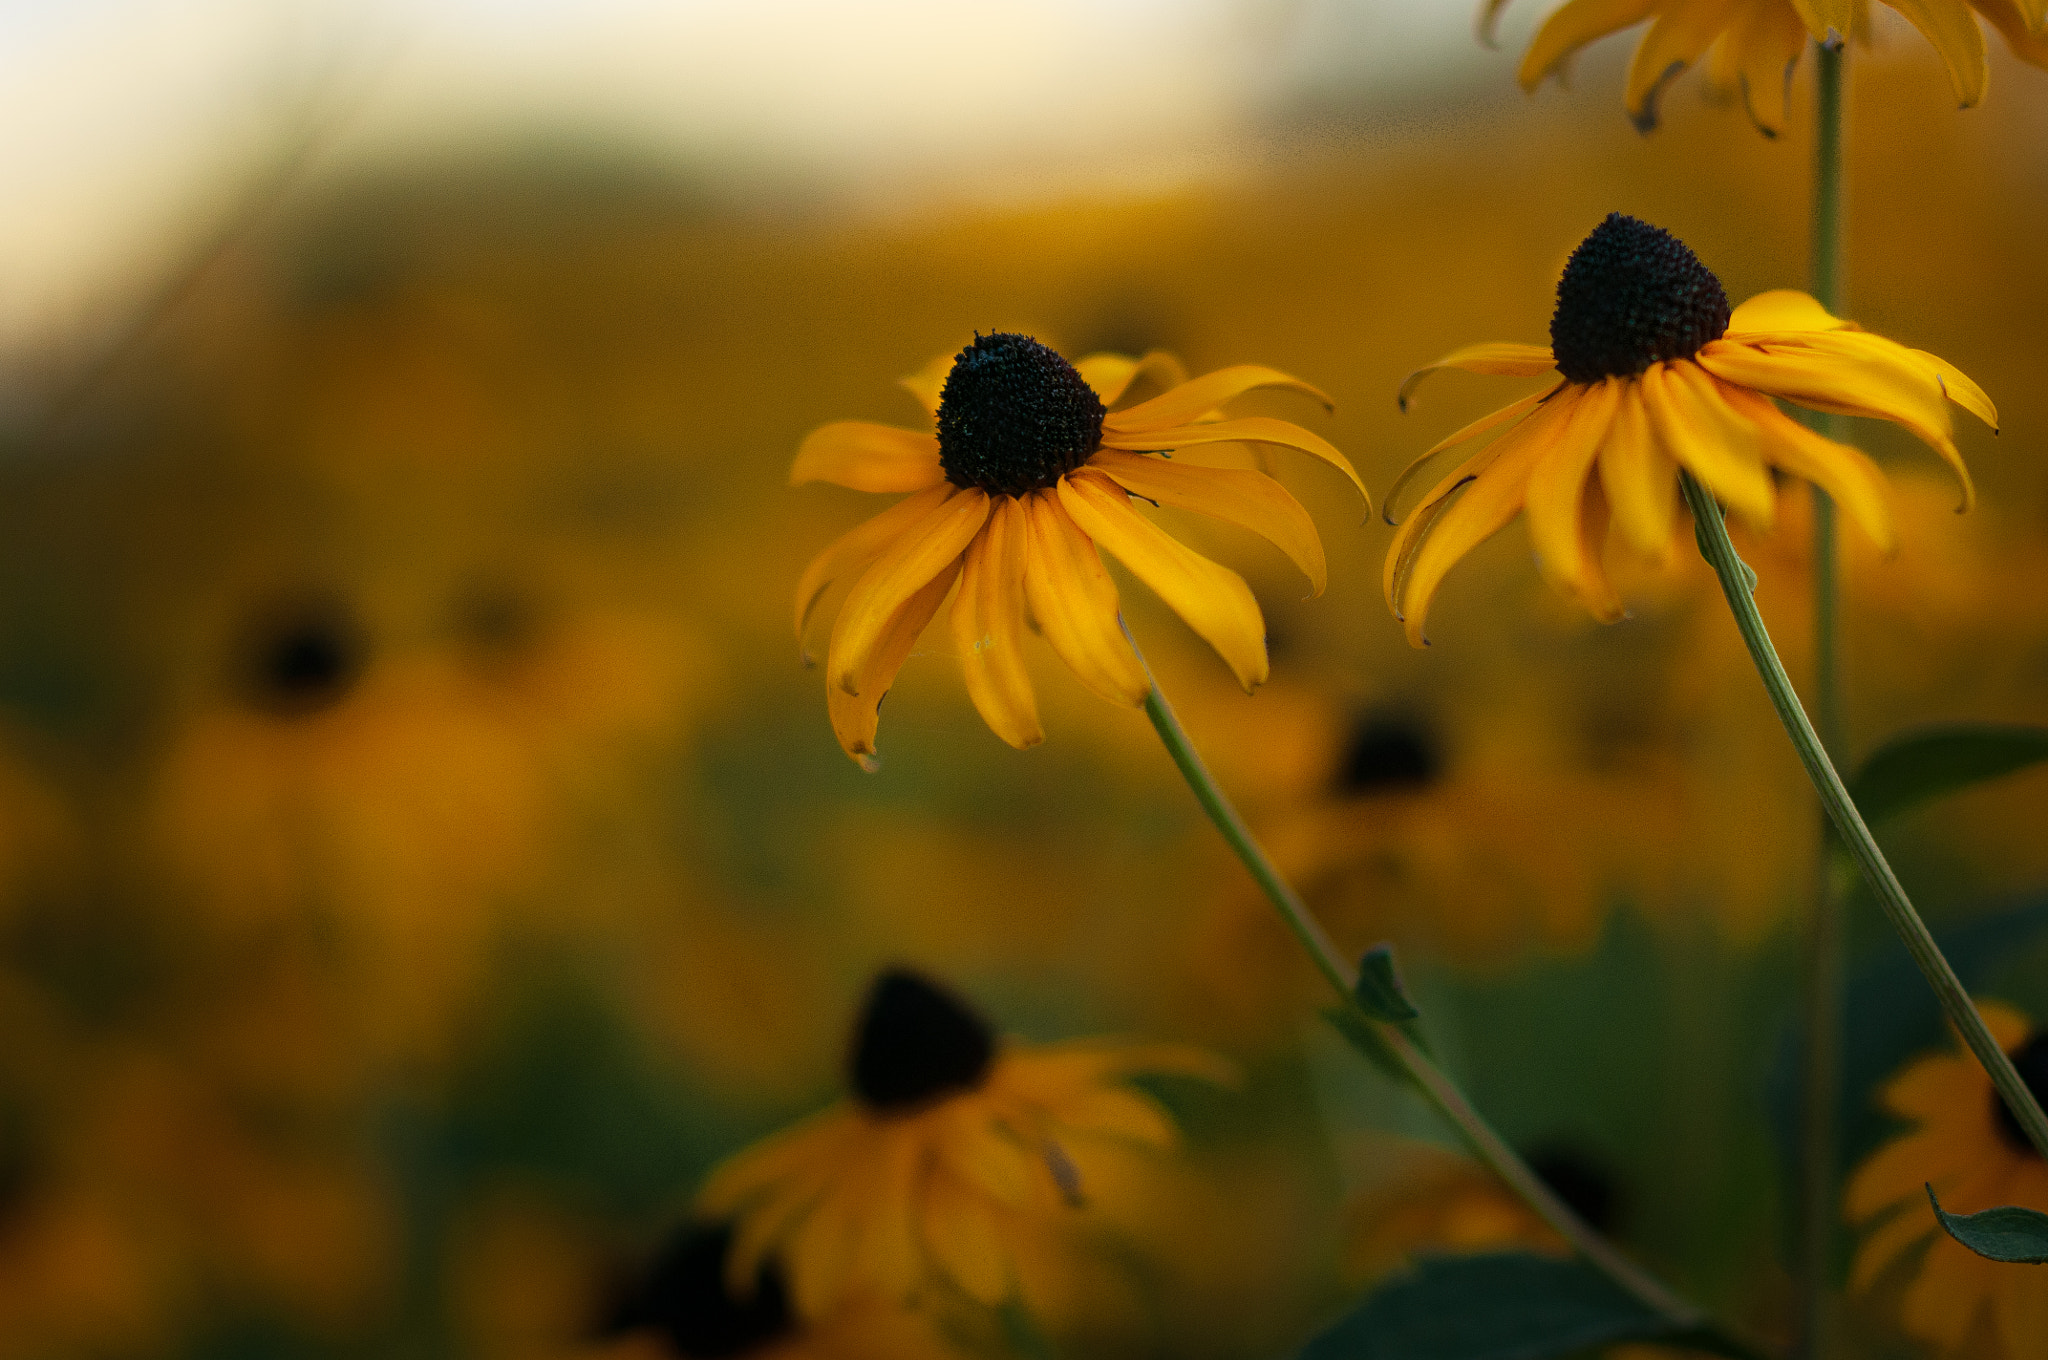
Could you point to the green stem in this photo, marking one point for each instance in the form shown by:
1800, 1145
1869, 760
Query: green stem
1848, 822
1428, 1078
1824, 949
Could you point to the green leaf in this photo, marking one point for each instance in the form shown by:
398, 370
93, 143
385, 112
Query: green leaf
1500, 1306
2008, 1234
1924, 764
1379, 987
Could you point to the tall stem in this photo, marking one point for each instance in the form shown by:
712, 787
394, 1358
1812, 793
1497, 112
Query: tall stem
1824, 950
1848, 822
1438, 1088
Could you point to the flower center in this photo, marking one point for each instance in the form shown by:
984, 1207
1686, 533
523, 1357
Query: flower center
915, 1044
1015, 417
1388, 755
2031, 1058
683, 1298
1632, 294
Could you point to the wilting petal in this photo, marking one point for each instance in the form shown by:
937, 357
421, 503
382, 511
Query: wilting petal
867, 457
919, 554
1500, 358
1951, 28
1202, 395
1478, 427
1074, 601
1842, 472
1699, 429
853, 550
1213, 600
1249, 499
855, 716
1572, 27
929, 382
1782, 309
1768, 43
1248, 430
1639, 478
1674, 42
1556, 493
988, 626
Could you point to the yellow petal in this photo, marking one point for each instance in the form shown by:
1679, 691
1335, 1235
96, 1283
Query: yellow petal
1249, 499
867, 457
1074, 601
988, 626
1675, 41
1213, 600
1782, 309
1572, 27
961, 1234
820, 1254
1706, 436
1830, 21
853, 550
1556, 491
1593, 590
929, 382
1107, 375
1842, 472
1768, 43
1951, 27
1468, 507
1203, 395
1118, 1113
1478, 427
1639, 478
1499, 358
1959, 388
918, 554
855, 716
2020, 26
1902, 1231
1489, 19
1248, 430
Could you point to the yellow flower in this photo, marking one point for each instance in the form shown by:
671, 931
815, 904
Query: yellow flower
1659, 375
950, 1143
1756, 43
1031, 465
1972, 1151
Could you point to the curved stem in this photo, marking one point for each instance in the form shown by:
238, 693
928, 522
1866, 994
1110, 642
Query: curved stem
1848, 822
1824, 962
1438, 1088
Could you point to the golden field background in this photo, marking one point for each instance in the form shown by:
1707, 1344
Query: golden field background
422, 855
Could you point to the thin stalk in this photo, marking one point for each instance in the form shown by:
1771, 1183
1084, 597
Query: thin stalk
1822, 980
1438, 1088
1848, 822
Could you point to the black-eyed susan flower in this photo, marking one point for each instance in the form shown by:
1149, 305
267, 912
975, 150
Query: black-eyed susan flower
951, 1140
1968, 1146
1755, 44
685, 1306
1659, 375
1031, 467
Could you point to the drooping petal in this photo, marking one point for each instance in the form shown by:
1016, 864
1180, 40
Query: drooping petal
1498, 358
1202, 395
1675, 41
1117, 1113
1572, 27
1783, 309
867, 457
853, 550
1706, 436
1832, 21
1767, 45
1639, 478
929, 382
1478, 427
1213, 600
1074, 601
1961, 389
1951, 29
961, 1234
1247, 430
1465, 509
1113, 375
820, 1256
1844, 473
1251, 500
1556, 492
1593, 590
2020, 23
988, 626
855, 717
918, 554
1489, 19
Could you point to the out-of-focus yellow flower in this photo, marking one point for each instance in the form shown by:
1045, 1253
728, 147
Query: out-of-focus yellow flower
949, 1135
1756, 43
1031, 466
1658, 376
1973, 1152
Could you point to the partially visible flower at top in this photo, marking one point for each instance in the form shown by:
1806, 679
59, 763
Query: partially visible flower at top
1970, 1148
951, 1141
1756, 43
1659, 375
1033, 465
